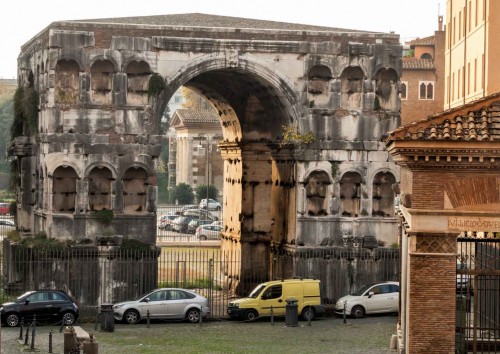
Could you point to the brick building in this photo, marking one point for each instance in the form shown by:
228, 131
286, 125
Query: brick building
422, 82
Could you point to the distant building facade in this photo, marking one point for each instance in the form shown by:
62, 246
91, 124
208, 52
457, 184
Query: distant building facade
189, 160
472, 50
422, 82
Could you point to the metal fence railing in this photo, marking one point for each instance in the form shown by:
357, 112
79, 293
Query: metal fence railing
107, 274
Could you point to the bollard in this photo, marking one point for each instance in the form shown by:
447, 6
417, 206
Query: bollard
33, 331
21, 329
272, 316
148, 320
308, 320
62, 326
96, 319
26, 335
344, 313
201, 316
50, 342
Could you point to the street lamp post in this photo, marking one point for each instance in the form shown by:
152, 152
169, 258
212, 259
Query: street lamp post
208, 170
207, 157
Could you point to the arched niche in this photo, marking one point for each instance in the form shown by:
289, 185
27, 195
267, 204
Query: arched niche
318, 80
386, 89
99, 180
316, 193
135, 187
427, 56
138, 73
64, 189
101, 83
383, 195
352, 79
350, 194
67, 78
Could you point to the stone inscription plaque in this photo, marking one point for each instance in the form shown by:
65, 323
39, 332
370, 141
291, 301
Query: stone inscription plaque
464, 223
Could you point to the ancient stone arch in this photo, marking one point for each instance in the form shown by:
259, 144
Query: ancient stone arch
257, 79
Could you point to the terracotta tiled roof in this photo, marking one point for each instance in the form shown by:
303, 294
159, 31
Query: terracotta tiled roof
195, 117
412, 63
476, 121
422, 41
205, 20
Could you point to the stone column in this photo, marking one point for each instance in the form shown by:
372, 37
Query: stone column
431, 279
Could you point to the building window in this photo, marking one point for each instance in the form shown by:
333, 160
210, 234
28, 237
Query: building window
426, 56
426, 90
404, 90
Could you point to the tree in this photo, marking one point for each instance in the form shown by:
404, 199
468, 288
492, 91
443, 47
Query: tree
201, 192
193, 100
182, 193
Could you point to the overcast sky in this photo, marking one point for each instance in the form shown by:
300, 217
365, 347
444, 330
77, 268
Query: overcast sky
22, 20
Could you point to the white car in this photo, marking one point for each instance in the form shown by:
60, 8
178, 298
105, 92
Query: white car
164, 303
381, 297
208, 232
212, 204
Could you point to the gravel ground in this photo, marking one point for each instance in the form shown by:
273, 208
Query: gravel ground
369, 335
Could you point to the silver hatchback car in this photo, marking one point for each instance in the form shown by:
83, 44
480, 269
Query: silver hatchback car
164, 303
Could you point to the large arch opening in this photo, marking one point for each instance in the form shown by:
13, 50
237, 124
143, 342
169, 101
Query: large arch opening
259, 177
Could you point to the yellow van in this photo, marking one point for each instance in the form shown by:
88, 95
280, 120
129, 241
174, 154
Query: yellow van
274, 294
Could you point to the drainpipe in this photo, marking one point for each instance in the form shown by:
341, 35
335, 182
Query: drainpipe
465, 52
450, 42
485, 2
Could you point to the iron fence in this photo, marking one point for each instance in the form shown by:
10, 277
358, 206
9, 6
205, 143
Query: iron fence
107, 274
478, 296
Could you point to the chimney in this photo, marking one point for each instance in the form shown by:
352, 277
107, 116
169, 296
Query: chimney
440, 22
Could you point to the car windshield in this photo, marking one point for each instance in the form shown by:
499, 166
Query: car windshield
361, 290
256, 292
24, 295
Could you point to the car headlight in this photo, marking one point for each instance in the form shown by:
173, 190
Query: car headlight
236, 305
117, 306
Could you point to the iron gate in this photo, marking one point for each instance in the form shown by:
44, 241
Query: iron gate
478, 295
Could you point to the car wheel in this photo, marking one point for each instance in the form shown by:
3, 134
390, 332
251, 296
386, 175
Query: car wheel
131, 316
358, 311
308, 314
193, 315
203, 237
250, 315
12, 319
68, 318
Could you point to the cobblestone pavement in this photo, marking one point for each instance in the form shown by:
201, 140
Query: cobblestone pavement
369, 335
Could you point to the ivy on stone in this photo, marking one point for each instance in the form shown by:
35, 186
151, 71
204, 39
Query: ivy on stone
156, 85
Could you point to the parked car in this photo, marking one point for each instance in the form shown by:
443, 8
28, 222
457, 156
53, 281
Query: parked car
381, 297
212, 204
193, 225
49, 306
208, 232
7, 223
165, 222
189, 207
164, 303
200, 213
4, 208
464, 280
180, 223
